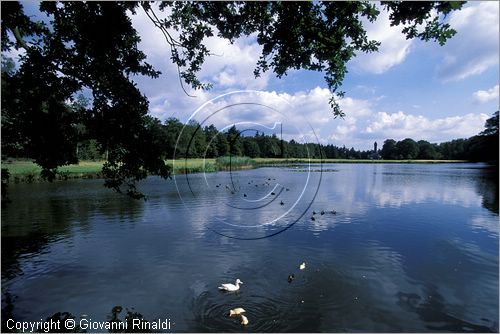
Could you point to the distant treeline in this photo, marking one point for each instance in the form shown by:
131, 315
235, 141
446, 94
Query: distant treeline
193, 141
482, 147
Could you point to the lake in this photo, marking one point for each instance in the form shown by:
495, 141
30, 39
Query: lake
399, 247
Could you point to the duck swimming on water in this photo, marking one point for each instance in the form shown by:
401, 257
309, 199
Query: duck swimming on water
236, 311
231, 287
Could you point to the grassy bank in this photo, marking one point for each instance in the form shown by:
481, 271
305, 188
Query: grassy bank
185, 166
232, 163
27, 171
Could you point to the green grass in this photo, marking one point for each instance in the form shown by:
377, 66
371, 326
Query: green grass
18, 167
184, 166
27, 171
235, 162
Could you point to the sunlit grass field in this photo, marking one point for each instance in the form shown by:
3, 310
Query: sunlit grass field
19, 167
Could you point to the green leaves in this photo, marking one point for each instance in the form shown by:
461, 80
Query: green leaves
90, 45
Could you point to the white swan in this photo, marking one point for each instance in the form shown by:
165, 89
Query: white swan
231, 287
244, 320
302, 266
236, 311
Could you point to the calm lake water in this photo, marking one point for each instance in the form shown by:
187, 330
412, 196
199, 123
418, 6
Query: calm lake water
411, 247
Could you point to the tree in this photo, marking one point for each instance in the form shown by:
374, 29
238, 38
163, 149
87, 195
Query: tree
426, 150
211, 133
407, 149
195, 139
389, 150
484, 147
89, 45
250, 148
93, 46
222, 145
455, 149
491, 126
234, 141
490, 135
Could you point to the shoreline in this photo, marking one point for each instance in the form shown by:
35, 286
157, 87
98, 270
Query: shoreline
23, 171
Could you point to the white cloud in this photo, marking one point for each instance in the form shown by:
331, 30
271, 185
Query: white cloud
393, 49
232, 65
229, 67
400, 125
306, 115
474, 48
483, 96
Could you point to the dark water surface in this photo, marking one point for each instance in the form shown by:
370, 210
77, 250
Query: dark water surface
411, 247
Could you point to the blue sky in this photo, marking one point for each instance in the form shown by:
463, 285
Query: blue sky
409, 88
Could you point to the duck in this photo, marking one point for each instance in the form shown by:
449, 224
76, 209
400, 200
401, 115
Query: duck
244, 320
244, 195
231, 287
291, 277
314, 212
322, 212
236, 311
273, 193
302, 266
312, 218
334, 212
281, 203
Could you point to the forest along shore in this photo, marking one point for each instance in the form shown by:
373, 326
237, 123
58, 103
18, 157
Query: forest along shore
24, 171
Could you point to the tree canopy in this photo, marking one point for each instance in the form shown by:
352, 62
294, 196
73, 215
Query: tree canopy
93, 46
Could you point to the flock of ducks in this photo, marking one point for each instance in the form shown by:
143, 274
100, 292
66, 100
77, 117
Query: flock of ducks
229, 287
238, 311
333, 212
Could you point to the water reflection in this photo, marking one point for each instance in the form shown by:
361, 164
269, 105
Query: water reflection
401, 187
487, 187
401, 233
432, 310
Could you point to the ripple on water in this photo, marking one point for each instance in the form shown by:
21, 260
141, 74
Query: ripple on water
274, 305
265, 313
